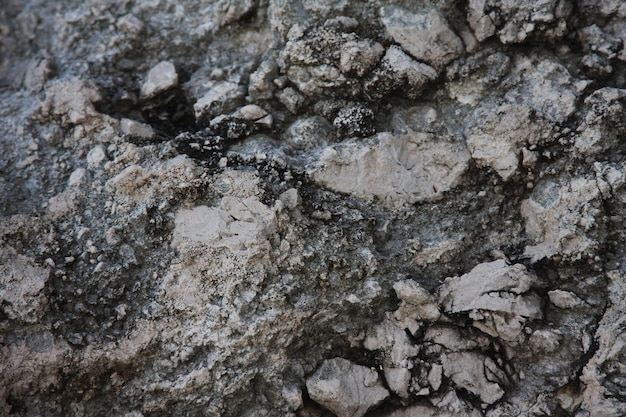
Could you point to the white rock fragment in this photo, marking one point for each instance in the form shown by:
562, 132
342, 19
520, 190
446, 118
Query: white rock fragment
481, 288
435, 376
446, 405
128, 180
241, 224
529, 158
290, 199
312, 80
261, 85
498, 297
77, 177
497, 138
21, 286
408, 168
346, 389
398, 380
221, 98
561, 218
293, 396
600, 127
414, 411
480, 22
546, 86
425, 36
391, 338
256, 114
72, 102
417, 303
161, 77
358, 57
565, 299
416, 74
96, 157
136, 129
307, 134
61, 205
200, 224
291, 99
476, 373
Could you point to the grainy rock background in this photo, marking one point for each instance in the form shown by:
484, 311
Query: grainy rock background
312, 208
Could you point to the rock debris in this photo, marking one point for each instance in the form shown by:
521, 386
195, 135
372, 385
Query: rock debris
312, 208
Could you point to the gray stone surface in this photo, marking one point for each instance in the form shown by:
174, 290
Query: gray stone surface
312, 208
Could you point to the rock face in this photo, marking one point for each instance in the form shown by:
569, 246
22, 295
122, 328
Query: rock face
312, 208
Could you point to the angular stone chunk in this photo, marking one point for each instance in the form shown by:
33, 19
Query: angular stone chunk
220, 98
546, 86
21, 286
497, 138
358, 57
161, 77
497, 296
408, 168
565, 299
135, 128
312, 80
416, 74
240, 224
493, 286
260, 86
417, 302
453, 339
72, 102
561, 218
470, 370
603, 123
346, 389
390, 337
482, 24
425, 36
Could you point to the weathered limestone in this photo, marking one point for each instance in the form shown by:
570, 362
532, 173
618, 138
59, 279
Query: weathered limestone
416, 167
161, 77
516, 21
563, 217
21, 286
425, 36
497, 296
346, 389
220, 98
497, 141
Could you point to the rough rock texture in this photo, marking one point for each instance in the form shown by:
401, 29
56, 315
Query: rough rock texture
417, 166
311, 208
346, 389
